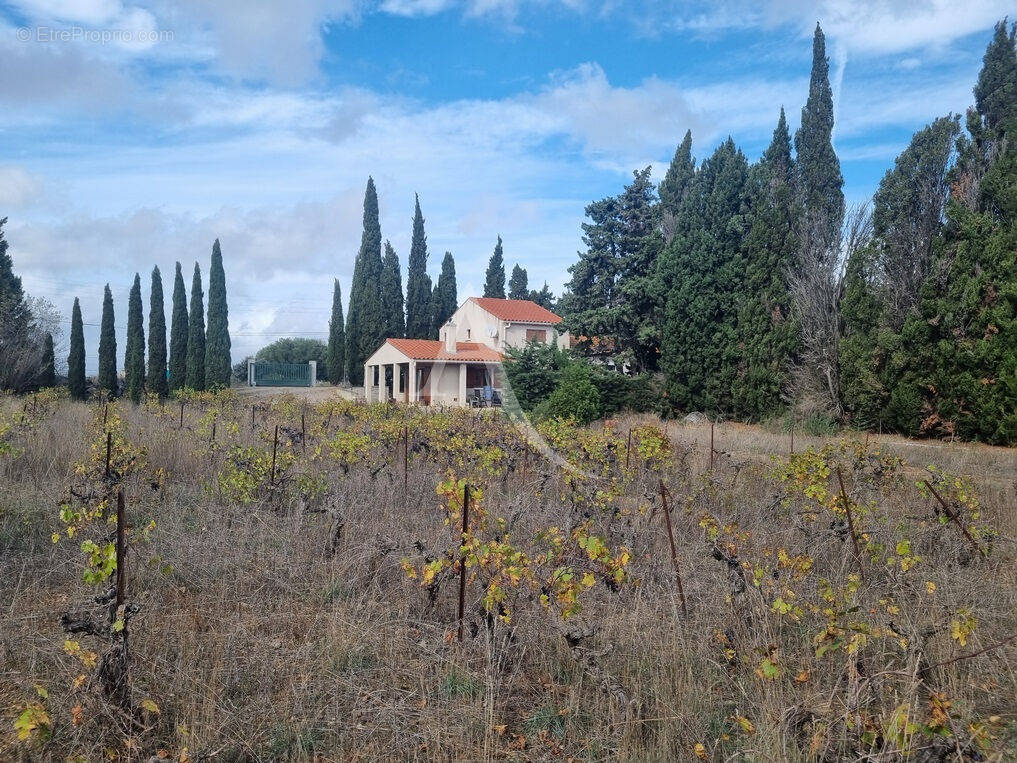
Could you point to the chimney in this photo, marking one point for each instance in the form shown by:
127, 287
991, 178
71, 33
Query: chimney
450, 337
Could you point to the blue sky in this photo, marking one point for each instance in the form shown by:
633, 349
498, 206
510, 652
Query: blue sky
133, 134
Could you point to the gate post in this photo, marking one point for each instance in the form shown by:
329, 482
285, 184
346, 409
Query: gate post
250, 372
314, 372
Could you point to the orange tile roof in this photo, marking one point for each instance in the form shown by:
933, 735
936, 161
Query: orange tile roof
432, 349
518, 310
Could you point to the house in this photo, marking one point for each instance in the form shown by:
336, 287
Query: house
463, 366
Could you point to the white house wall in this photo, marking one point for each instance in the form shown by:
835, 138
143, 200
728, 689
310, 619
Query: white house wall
473, 324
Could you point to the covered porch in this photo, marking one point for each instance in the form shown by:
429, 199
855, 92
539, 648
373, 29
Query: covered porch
438, 382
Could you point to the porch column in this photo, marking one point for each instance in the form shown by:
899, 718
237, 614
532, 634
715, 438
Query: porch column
368, 379
412, 380
397, 380
390, 391
462, 384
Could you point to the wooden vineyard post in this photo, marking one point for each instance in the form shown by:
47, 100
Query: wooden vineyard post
303, 431
214, 422
252, 416
462, 559
628, 450
956, 519
406, 459
792, 436
181, 414
275, 445
674, 550
711, 445
851, 524
105, 414
121, 550
109, 451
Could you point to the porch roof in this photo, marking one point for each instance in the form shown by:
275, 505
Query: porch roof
432, 349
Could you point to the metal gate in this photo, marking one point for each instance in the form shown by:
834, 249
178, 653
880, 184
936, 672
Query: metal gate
281, 374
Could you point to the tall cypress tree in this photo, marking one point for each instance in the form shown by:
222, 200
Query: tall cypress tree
518, 284
134, 356
218, 364
494, 280
680, 173
157, 382
820, 183
335, 359
418, 283
196, 334
544, 297
701, 267
445, 300
107, 378
365, 317
767, 333
47, 372
76, 357
178, 334
392, 293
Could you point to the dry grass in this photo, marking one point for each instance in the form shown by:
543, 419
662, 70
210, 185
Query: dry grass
260, 642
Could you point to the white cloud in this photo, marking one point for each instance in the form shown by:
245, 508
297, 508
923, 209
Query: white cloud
18, 188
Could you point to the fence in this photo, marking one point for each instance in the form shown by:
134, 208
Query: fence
281, 374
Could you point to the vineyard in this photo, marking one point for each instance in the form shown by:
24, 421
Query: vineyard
204, 578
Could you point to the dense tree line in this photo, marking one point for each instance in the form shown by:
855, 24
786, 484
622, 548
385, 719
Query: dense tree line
754, 291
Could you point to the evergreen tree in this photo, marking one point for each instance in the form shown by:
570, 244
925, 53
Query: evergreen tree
107, 379
494, 281
178, 334
418, 283
217, 336
820, 184
445, 300
861, 349
392, 293
14, 312
76, 358
680, 173
518, 284
700, 269
767, 334
335, 357
544, 297
47, 373
134, 355
195, 375
365, 317
157, 382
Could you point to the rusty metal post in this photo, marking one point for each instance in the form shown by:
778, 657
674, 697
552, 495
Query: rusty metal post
406, 458
711, 445
275, 445
303, 431
628, 449
851, 524
109, 451
674, 550
181, 414
462, 559
121, 579
252, 415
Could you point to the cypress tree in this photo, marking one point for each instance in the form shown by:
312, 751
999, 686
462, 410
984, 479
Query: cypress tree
418, 283
196, 334
861, 349
494, 281
767, 333
157, 382
47, 373
134, 356
544, 297
680, 173
701, 269
365, 316
335, 359
446, 300
178, 334
518, 284
76, 357
820, 184
107, 378
217, 336
392, 293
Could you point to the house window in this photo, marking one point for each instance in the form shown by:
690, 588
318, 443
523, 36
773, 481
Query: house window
539, 334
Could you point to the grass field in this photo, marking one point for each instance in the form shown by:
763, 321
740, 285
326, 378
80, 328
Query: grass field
308, 609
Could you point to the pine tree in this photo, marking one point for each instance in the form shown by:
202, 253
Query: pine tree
767, 334
445, 300
134, 356
820, 183
675, 185
47, 372
178, 334
15, 316
365, 317
157, 382
701, 270
418, 283
494, 281
218, 363
76, 357
335, 358
196, 334
392, 293
107, 379
518, 284
544, 297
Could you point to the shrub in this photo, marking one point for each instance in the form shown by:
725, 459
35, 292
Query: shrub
575, 397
